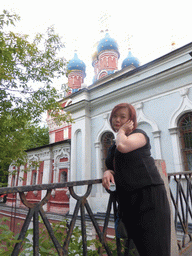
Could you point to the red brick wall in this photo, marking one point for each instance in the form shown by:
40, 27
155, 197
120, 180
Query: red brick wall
59, 136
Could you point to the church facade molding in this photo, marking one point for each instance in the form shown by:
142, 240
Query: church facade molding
142, 118
184, 107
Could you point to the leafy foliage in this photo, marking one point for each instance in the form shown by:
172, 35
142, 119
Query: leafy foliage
39, 136
47, 248
28, 70
8, 240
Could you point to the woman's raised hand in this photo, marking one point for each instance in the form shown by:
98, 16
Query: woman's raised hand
127, 128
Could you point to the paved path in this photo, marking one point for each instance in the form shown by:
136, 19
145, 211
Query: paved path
187, 251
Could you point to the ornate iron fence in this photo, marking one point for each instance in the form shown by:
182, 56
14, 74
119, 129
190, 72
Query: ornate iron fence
36, 209
181, 196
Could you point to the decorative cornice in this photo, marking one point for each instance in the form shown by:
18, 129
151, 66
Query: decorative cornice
141, 117
144, 83
77, 106
105, 128
156, 134
173, 130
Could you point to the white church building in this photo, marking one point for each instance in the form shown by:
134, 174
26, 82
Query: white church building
161, 92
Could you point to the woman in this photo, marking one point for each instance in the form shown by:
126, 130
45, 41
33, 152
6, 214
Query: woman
141, 192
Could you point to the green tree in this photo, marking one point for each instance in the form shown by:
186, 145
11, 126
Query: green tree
39, 136
28, 69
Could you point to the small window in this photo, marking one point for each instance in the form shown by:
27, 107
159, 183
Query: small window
185, 130
63, 177
34, 178
106, 141
13, 181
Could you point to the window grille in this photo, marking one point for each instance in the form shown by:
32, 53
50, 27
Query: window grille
185, 129
106, 141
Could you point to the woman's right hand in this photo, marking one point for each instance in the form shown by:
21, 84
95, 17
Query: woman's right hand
127, 127
108, 177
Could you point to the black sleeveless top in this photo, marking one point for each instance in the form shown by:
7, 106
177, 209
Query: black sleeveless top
135, 169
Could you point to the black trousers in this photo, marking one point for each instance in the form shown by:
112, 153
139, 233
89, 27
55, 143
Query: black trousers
146, 214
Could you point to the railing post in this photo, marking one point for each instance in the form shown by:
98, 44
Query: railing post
51, 233
182, 204
83, 229
176, 202
36, 233
24, 229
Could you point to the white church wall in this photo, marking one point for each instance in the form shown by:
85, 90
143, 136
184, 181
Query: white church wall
154, 90
163, 98
159, 109
151, 71
82, 123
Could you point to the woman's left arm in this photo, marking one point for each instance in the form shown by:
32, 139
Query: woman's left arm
126, 143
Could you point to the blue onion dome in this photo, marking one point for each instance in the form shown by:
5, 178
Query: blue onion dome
130, 60
107, 43
76, 64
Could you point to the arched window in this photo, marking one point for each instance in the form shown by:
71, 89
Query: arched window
34, 177
13, 180
103, 74
185, 131
63, 177
106, 142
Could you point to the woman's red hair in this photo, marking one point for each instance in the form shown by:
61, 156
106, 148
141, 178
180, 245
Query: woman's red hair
131, 110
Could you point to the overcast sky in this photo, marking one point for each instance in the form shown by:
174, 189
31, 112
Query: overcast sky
152, 24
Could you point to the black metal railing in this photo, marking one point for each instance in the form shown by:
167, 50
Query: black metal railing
181, 196
36, 209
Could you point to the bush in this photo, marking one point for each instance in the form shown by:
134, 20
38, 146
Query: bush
8, 240
46, 246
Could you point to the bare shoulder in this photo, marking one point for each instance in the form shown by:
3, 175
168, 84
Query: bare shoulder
139, 138
138, 135
132, 142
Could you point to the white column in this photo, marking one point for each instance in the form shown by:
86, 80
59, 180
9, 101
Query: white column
82, 123
46, 173
176, 149
86, 149
157, 142
21, 174
98, 168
